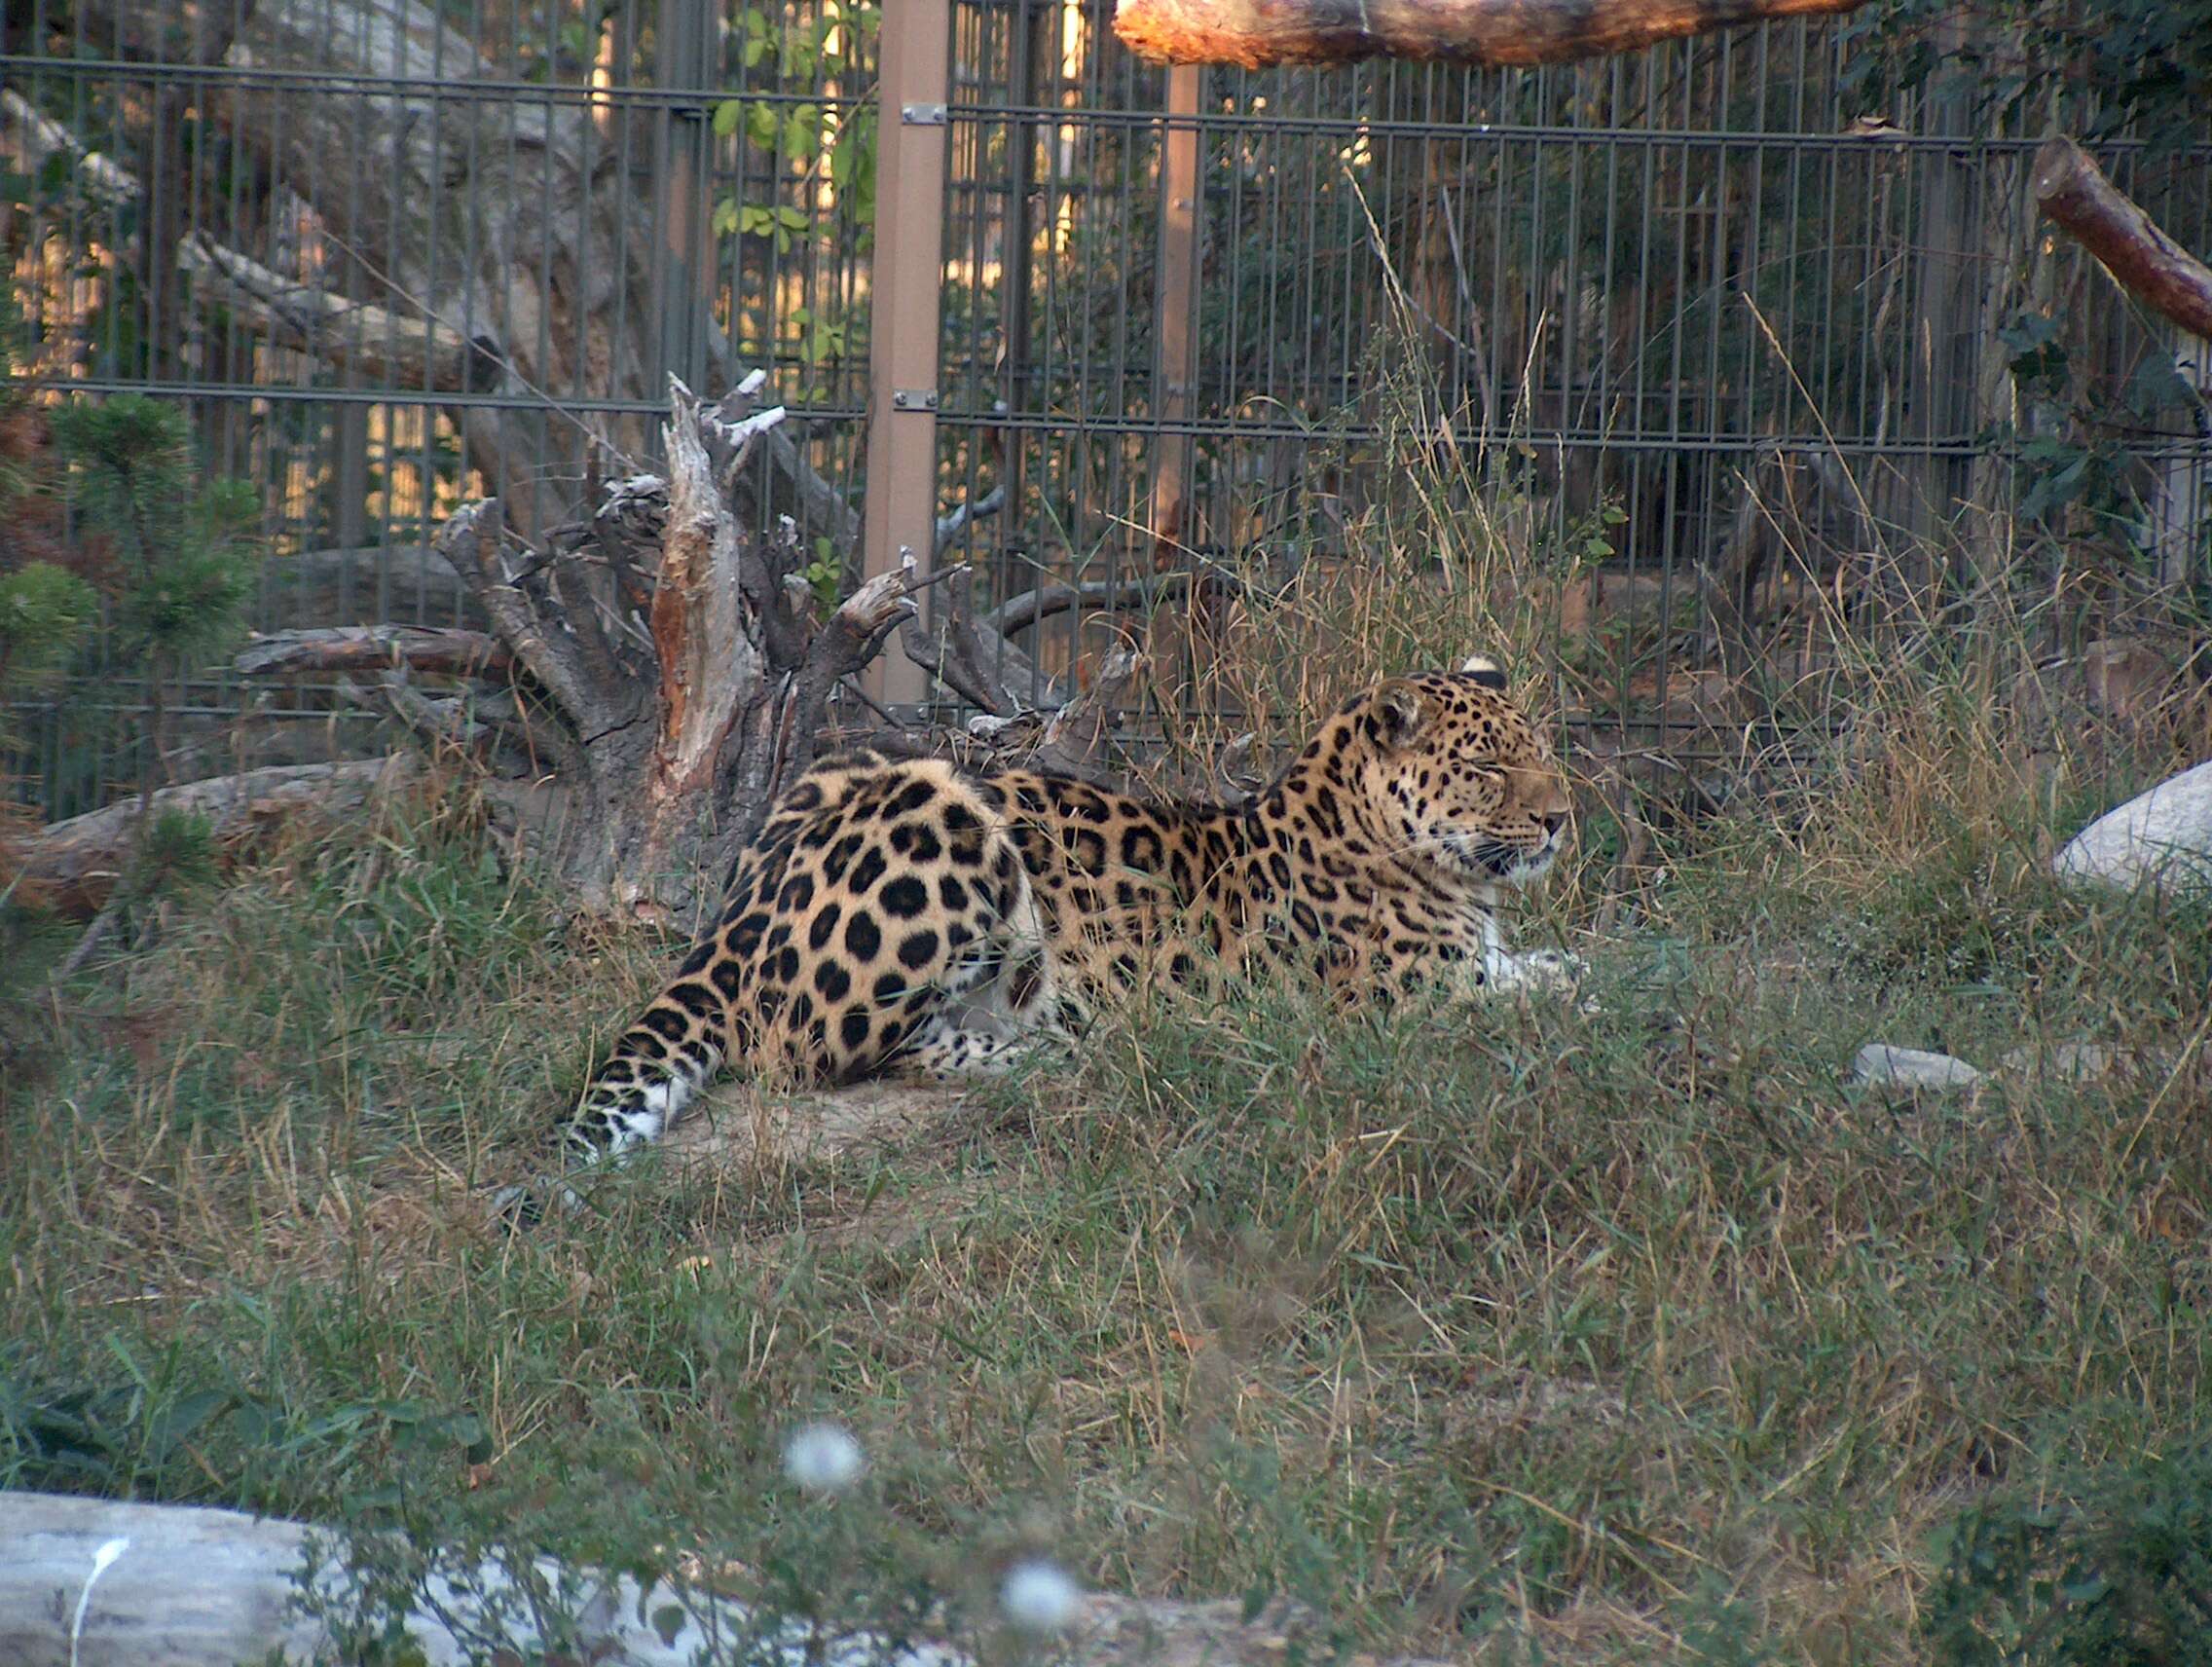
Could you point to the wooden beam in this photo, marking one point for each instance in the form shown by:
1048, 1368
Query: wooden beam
1176, 309
2072, 190
901, 521
1255, 33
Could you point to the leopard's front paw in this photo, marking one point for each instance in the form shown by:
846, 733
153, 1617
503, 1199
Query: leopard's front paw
1538, 970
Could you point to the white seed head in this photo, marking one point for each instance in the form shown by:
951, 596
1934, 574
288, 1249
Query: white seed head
1038, 1596
824, 1457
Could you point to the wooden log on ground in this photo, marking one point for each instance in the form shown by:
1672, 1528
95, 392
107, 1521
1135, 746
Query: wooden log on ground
371, 648
73, 865
1255, 33
2072, 190
110, 1583
107, 1583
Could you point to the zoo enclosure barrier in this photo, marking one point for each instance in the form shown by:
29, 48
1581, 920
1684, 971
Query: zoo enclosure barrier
1044, 308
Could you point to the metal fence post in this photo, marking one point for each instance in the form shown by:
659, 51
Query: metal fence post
900, 514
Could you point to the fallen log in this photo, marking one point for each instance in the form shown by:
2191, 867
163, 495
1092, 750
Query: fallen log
110, 1583
73, 865
2143, 260
107, 1583
371, 648
1255, 33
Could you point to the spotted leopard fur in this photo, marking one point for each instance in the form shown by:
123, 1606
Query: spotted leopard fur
913, 917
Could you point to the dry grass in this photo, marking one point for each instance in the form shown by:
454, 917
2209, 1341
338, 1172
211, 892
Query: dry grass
1503, 1333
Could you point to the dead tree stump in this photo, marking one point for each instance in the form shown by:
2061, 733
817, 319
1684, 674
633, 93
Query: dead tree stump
671, 668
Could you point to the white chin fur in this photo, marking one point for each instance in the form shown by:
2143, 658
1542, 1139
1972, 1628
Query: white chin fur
1532, 866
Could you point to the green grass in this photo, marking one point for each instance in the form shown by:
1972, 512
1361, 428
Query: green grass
1636, 1335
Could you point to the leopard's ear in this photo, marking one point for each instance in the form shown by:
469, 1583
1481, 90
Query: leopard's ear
1484, 670
1401, 712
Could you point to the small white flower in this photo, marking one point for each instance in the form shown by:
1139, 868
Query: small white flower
824, 1459
1038, 1596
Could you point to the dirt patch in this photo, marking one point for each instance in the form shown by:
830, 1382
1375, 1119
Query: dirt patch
741, 1123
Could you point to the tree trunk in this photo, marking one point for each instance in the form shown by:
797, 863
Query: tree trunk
102, 1583
1255, 33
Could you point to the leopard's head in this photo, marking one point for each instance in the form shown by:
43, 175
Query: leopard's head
1458, 778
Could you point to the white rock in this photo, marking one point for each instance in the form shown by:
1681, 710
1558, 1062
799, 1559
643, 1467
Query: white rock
1879, 1062
2163, 836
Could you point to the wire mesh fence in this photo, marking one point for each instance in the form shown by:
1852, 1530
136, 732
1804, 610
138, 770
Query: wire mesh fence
1691, 321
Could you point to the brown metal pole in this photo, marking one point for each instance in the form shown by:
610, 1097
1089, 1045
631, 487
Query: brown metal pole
908, 271
1175, 320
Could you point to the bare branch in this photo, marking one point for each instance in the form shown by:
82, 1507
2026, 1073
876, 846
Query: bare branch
975, 663
2141, 258
1020, 612
470, 541
949, 527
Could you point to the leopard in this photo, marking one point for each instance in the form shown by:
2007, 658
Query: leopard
912, 917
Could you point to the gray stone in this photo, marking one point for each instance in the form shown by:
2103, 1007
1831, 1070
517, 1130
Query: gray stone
2163, 836
1910, 1067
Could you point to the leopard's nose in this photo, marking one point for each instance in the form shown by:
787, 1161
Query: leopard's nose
1550, 822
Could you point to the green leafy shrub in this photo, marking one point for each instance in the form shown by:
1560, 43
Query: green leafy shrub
2119, 1576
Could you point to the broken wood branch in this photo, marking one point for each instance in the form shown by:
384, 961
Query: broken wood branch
2143, 260
1020, 612
471, 541
1255, 33
1077, 734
